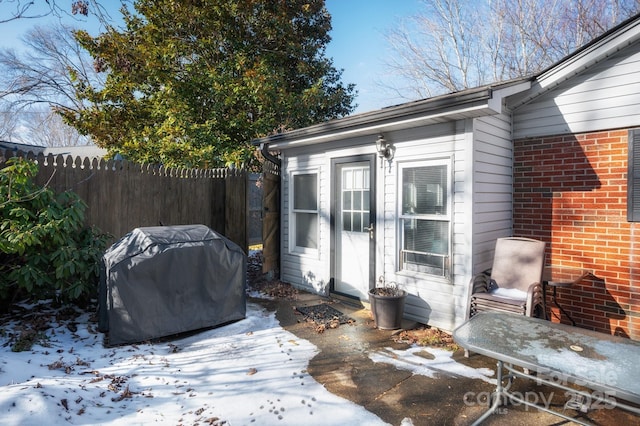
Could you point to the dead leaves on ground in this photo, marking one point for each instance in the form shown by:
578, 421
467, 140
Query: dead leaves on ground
67, 368
322, 323
427, 336
126, 393
276, 289
257, 281
35, 321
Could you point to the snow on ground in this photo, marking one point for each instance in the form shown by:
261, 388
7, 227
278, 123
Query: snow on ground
252, 372
430, 364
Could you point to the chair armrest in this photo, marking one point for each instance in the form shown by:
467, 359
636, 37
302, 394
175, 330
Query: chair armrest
534, 289
534, 297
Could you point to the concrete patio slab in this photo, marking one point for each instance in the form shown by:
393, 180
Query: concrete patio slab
343, 365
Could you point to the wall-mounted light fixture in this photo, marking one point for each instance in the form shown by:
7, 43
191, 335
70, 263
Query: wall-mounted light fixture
384, 148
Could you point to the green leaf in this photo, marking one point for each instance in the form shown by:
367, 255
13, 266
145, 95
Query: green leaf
44, 243
191, 84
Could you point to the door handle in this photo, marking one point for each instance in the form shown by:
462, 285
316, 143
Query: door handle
370, 229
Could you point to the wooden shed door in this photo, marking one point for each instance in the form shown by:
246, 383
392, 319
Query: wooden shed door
353, 225
271, 220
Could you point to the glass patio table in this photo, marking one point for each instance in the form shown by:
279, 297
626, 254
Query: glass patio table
560, 355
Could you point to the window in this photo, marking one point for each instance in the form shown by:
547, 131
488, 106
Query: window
355, 199
305, 210
425, 217
633, 177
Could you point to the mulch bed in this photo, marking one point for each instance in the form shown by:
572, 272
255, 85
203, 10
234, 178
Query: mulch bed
427, 336
324, 316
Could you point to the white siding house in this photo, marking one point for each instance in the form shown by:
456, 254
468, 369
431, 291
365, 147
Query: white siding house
554, 157
426, 218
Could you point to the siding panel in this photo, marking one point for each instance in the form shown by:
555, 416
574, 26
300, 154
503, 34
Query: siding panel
305, 271
605, 97
492, 194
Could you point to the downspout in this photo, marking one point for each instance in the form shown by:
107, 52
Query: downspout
264, 150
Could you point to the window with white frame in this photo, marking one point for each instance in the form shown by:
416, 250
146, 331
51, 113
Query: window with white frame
305, 211
425, 217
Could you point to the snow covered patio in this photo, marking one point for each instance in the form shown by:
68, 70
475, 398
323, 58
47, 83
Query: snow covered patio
272, 368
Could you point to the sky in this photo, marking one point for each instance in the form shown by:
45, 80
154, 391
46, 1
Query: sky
251, 372
358, 44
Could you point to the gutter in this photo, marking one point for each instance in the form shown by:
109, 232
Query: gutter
387, 116
468, 103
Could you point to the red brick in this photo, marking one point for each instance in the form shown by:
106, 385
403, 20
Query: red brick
585, 221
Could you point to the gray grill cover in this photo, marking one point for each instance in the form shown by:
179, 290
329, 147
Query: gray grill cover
159, 281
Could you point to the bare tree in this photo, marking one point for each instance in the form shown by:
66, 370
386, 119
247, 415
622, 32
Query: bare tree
453, 45
44, 73
437, 50
9, 123
47, 128
11, 10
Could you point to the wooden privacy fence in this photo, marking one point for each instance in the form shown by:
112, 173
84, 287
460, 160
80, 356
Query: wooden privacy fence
122, 196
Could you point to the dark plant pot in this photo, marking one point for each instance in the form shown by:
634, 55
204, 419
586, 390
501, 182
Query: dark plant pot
387, 310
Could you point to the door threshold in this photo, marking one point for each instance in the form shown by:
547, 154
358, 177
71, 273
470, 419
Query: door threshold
350, 300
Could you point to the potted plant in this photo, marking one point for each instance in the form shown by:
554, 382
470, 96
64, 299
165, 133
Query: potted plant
387, 305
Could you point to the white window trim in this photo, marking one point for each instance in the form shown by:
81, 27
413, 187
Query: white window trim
293, 248
446, 161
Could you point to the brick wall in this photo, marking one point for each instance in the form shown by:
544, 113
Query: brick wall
571, 191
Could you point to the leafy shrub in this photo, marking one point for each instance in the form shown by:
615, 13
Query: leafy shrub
45, 250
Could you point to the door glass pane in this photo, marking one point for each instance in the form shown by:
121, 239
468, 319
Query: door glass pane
346, 221
357, 178
347, 179
346, 200
357, 222
357, 200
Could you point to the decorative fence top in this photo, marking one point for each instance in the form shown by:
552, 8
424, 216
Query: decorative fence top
70, 161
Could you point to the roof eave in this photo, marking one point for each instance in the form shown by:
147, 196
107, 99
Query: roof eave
386, 119
470, 103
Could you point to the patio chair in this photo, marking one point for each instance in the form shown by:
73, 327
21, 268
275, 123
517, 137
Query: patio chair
514, 282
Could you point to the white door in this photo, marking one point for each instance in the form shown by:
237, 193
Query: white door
353, 228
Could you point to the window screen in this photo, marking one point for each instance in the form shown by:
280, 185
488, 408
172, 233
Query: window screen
424, 218
305, 210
